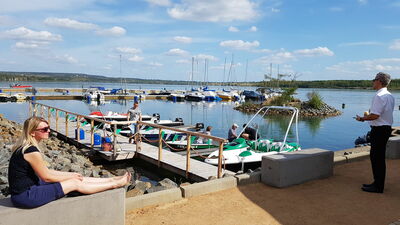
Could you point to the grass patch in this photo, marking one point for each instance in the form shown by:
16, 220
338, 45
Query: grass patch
315, 100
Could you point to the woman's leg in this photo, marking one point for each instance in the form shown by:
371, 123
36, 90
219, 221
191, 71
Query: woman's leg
94, 187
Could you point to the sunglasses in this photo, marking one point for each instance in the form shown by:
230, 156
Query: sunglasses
44, 129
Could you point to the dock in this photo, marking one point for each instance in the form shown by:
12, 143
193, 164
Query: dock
66, 123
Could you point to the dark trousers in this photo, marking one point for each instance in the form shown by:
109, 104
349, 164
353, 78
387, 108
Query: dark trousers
379, 137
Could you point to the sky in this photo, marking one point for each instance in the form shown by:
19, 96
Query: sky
203, 40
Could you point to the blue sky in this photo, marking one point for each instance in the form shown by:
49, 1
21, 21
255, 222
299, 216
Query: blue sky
157, 39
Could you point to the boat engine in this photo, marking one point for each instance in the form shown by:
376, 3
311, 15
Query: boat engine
156, 115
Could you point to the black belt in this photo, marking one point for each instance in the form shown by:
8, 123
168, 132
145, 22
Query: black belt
383, 126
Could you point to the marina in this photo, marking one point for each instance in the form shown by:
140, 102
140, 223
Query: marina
68, 123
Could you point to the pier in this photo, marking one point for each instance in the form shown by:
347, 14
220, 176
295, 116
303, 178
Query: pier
68, 123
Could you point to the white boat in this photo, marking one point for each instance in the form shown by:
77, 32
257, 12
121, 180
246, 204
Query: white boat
18, 97
242, 151
229, 95
93, 95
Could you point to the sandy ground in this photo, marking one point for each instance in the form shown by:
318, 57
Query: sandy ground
335, 200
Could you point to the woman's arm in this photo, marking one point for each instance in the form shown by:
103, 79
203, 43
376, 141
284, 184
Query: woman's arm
36, 161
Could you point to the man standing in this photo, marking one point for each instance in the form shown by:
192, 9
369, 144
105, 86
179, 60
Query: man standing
232, 132
134, 114
380, 118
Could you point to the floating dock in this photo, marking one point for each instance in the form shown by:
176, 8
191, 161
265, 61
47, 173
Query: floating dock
64, 123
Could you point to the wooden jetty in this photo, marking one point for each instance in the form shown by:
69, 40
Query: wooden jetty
67, 123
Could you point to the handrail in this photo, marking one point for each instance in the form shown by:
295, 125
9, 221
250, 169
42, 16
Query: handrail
137, 137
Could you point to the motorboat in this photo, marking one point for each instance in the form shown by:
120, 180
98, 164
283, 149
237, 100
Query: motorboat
179, 143
18, 97
196, 96
176, 97
251, 95
93, 95
4, 97
20, 86
241, 151
229, 95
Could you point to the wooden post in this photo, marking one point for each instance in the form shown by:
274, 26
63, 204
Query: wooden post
91, 133
30, 108
57, 120
78, 125
188, 155
220, 155
42, 111
48, 115
66, 124
160, 147
115, 141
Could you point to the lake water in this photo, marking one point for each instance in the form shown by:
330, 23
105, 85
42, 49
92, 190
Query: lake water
334, 133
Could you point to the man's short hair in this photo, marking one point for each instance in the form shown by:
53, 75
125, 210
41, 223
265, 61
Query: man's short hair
384, 78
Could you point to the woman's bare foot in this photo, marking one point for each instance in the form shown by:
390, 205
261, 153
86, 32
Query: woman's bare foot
123, 180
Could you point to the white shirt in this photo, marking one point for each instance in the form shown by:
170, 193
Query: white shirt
382, 105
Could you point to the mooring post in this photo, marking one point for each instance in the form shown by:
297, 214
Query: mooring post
78, 124
188, 155
160, 147
91, 133
66, 124
115, 141
57, 120
48, 116
220, 155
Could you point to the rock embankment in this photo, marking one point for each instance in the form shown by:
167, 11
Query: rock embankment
305, 110
62, 156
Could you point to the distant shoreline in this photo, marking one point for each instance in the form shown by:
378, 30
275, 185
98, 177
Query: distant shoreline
23, 77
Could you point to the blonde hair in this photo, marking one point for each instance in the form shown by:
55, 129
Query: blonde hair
27, 140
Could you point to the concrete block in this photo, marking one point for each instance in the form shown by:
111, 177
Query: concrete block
338, 160
286, 169
98, 209
248, 178
208, 186
154, 198
393, 148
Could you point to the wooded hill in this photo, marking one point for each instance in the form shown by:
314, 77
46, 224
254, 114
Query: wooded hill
15, 77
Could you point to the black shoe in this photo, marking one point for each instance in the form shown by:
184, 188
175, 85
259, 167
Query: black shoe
368, 185
372, 189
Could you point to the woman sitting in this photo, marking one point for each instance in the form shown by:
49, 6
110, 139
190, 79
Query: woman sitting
32, 184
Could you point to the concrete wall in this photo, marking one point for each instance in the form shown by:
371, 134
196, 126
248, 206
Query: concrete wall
103, 208
393, 148
286, 169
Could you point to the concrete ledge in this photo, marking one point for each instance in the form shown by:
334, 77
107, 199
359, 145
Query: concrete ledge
155, 198
393, 148
99, 209
350, 158
246, 178
208, 187
286, 169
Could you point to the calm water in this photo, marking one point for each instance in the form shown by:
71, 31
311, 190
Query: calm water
333, 133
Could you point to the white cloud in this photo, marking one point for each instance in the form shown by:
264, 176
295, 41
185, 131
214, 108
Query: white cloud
253, 29
176, 52
208, 57
135, 58
128, 50
159, 2
275, 10
183, 61
68, 23
24, 45
66, 59
395, 45
319, 51
367, 66
214, 10
156, 64
23, 33
233, 29
239, 44
114, 31
277, 58
183, 39
362, 43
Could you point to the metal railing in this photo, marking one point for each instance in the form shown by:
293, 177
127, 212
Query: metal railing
42, 109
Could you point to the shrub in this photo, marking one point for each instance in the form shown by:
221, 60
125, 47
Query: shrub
285, 98
315, 100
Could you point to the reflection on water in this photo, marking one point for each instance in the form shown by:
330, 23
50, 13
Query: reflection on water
313, 124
